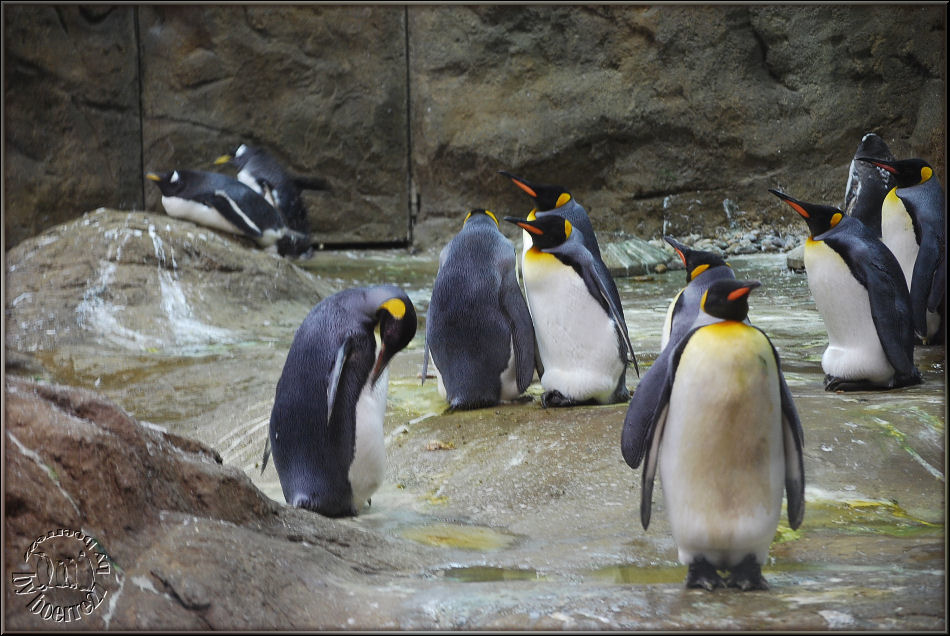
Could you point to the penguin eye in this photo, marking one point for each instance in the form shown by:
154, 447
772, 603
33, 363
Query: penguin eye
395, 307
561, 200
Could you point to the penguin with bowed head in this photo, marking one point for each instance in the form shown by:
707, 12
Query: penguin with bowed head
579, 328
914, 228
224, 203
478, 328
715, 416
702, 270
326, 426
860, 292
259, 170
868, 184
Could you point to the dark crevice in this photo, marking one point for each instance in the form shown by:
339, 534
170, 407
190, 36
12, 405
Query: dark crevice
137, 34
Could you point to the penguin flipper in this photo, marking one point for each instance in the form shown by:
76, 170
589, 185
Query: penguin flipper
522, 329
793, 438
648, 405
425, 360
333, 382
229, 209
649, 469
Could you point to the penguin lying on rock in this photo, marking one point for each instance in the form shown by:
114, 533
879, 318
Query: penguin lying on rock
478, 328
860, 292
702, 270
224, 203
913, 226
326, 426
715, 416
579, 328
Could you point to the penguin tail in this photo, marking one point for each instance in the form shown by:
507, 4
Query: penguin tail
311, 183
294, 243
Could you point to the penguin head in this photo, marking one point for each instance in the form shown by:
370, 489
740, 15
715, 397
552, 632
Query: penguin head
728, 299
396, 319
547, 231
170, 183
480, 213
239, 158
907, 172
546, 197
696, 261
820, 218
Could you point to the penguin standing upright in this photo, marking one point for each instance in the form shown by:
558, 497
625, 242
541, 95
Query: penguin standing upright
583, 346
326, 426
913, 226
260, 171
702, 270
868, 184
224, 203
860, 293
715, 415
478, 328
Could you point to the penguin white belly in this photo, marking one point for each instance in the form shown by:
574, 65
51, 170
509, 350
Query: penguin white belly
721, 459
897, 233
198, 213
854, 349
369, 456
509, 377
576, 338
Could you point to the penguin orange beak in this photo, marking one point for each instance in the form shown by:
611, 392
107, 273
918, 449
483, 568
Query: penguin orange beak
151, 176
742, 291
223, 159
795, 205
879, 164
380, 363
525, 225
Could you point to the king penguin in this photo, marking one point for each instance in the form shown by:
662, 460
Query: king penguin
702, 270
583, 346
478, 328
259, 170
868, 184
913, 226
326, 426
715, 415
555, 199
224, 203
860, 293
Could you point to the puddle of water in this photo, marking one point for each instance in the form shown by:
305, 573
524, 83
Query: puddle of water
639, 575
447, 535
488, 574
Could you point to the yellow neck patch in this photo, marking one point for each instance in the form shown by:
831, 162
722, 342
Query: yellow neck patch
698, 270
395, 307
836, 219
493, 218
925, 174
568, 228
561, 200
531, 215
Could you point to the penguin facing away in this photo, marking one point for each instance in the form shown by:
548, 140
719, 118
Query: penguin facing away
326, 426
913, 226
224, 203
584, 348
868, 184
702, 270
859, 291
260, 171
555, 199
716, 417
478, 328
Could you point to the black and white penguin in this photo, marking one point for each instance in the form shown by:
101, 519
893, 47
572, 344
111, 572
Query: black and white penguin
715, 415
478, 328
326, 426
702, 270
555, 199
583, 346
860, 293
224, 203
260, 171
868, 184
913, 226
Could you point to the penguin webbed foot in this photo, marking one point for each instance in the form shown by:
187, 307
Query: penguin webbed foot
835, 384
556, 398
747, 575
702, 574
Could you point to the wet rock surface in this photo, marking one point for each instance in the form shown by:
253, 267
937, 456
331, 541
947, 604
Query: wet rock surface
514, 517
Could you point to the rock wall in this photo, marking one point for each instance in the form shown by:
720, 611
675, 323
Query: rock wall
664, 117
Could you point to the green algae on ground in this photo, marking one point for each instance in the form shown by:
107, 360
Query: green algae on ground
457, 536
488, 574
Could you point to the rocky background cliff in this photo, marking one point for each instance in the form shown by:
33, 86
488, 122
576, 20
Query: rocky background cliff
673, 118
